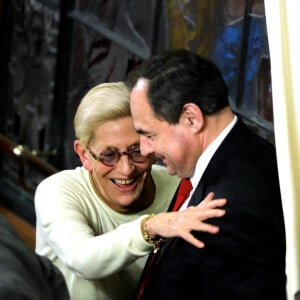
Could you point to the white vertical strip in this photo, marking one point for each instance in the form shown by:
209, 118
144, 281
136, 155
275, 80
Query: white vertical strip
283, 24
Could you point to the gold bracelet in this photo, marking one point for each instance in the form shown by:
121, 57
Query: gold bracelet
157, 242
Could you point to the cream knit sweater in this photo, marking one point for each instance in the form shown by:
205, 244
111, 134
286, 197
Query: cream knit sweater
100, 252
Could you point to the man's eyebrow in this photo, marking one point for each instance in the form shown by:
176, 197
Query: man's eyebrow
141, 131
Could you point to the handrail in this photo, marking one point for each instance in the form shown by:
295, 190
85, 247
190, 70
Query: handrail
21, 152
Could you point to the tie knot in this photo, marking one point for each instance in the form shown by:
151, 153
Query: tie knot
183, 192
186, 185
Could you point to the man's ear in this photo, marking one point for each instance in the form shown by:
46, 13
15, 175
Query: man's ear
83, 155
193, 117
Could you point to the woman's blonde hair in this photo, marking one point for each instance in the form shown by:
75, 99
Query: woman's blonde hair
102, 103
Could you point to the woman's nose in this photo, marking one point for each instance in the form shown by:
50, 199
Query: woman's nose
125, 165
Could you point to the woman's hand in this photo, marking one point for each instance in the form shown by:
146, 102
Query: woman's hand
180, 224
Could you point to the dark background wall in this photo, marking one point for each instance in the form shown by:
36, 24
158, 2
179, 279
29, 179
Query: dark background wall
53, 51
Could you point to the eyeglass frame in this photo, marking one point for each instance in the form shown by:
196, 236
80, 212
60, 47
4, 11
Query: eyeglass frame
128, 153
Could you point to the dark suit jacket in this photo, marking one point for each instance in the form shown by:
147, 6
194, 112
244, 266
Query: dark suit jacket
246, 259
24, 275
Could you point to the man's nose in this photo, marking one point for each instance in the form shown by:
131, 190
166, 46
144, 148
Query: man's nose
146, 146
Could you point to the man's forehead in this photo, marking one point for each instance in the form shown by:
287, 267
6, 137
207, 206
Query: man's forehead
142, 84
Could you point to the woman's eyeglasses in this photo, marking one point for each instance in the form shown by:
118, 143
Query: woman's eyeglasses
110, 156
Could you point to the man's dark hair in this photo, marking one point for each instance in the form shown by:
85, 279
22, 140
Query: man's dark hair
177, 77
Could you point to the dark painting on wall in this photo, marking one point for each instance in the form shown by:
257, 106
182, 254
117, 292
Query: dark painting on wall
233, 34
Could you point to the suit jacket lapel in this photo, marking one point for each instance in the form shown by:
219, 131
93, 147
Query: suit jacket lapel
234, 140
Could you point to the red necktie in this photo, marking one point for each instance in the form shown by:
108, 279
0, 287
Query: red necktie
183, 193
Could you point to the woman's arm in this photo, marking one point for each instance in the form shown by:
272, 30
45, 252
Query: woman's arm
66, 228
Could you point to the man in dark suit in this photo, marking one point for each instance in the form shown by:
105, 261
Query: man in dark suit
179, 103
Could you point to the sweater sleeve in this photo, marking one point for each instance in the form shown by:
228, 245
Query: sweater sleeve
63, 225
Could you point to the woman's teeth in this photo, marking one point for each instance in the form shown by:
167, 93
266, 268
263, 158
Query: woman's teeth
123, 181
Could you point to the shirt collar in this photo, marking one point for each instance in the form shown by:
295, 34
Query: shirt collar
206, 156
